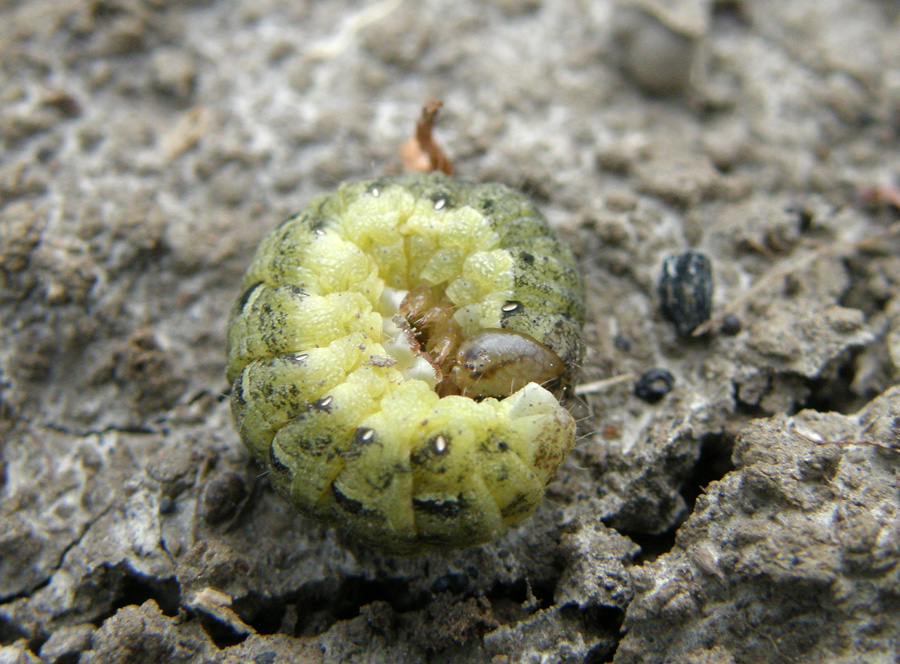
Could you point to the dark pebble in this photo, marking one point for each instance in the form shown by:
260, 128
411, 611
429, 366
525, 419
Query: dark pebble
622, 343
267, 657
221, 497
731, 325
686, 290
653, 385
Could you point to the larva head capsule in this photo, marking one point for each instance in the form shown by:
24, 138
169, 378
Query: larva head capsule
498, 362
389, 353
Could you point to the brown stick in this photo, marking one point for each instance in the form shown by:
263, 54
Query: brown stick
422, 153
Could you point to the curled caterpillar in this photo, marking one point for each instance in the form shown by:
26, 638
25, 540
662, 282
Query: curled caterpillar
392, 356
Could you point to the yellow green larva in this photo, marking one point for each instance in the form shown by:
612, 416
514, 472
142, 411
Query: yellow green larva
383, 353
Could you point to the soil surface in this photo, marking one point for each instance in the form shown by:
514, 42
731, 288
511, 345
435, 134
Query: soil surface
751, 514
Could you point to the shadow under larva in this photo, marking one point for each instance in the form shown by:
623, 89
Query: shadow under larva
394, 353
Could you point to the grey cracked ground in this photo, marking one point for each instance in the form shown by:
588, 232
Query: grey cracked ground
749, 516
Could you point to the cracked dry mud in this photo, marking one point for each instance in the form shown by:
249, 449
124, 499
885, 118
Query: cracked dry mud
752, 515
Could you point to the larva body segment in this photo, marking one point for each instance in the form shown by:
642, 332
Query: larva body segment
334, 393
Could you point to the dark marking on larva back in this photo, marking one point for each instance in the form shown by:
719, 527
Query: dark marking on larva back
352, 506
447, 509
237, 392
296, 291
245, 296
285, 222
275, 464
519, 504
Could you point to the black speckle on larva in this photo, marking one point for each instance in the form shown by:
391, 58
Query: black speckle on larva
351, 506
348, 399
245, 297
445, 509
275, 464
237, 394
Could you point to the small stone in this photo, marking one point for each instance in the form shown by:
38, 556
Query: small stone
17, 653
173, 74
686, 290
731, 325
221, 497
66, 644
653, 385
657, 48
622, 343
